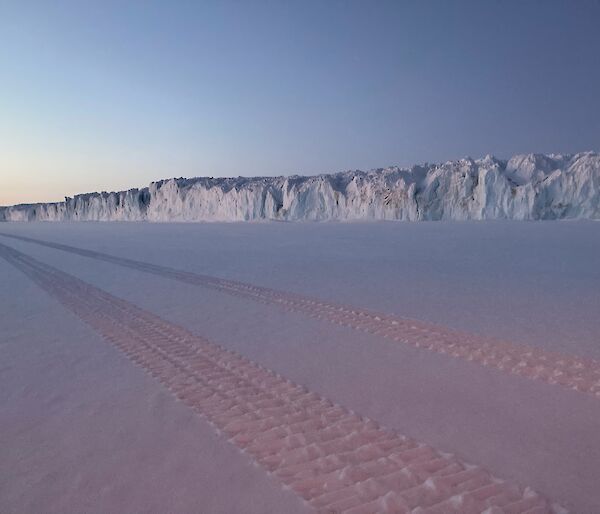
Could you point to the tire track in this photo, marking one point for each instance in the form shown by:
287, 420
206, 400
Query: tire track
337, 461
571, 372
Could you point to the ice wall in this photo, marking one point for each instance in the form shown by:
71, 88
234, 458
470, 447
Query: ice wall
526, 187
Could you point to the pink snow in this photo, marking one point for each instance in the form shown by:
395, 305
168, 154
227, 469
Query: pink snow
84, 430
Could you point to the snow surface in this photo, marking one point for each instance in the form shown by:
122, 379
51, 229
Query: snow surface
526, 187
79, 418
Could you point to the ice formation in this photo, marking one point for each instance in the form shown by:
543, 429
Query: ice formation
526, 187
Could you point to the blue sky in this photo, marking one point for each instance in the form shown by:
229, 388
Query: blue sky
111, 95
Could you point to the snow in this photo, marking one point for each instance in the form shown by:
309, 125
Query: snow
83, 430
526, 187
79, 417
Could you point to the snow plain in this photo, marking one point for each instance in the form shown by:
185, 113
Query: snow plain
85, 430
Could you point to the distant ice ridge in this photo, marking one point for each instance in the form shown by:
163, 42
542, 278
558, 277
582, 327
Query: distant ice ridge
526, 187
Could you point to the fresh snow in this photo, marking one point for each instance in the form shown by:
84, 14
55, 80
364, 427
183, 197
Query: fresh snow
526, 187
78, 418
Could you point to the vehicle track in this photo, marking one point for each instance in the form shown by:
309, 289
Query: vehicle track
336, 460
572, 372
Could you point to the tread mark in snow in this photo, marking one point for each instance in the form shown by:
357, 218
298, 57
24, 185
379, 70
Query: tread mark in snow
334, 459
572, 372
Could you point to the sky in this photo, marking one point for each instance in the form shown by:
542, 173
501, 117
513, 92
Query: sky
101, 96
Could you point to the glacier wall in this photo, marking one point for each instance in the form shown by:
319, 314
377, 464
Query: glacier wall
526, 187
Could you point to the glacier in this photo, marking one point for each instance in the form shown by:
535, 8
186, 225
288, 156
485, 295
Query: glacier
525, 187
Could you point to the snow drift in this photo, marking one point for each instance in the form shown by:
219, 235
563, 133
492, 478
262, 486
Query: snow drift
526, 187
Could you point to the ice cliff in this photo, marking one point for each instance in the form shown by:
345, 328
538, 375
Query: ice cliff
526, 187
